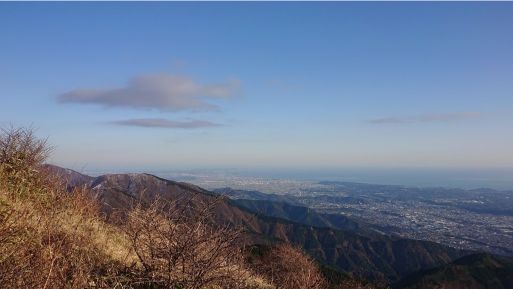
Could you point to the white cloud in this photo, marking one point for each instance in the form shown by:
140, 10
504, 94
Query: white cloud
163, 92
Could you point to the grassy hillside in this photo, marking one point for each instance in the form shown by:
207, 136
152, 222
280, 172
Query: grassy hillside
48, 237
53, 238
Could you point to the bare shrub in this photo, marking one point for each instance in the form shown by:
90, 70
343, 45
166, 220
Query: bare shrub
20, 149
21, 156
178, 247
287, 267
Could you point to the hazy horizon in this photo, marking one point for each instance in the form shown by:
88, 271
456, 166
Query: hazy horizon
464, 178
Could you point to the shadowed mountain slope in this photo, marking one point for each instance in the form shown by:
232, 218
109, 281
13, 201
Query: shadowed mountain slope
476, 271
302, 215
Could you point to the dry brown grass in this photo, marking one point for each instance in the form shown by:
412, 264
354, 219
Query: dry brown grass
52, 245
49, 238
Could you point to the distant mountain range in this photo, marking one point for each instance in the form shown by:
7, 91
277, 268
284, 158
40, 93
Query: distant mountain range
335, 241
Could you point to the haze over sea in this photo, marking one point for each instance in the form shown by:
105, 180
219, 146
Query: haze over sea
465, 178
496, 178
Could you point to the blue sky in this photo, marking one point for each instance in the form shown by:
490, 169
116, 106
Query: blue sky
303, 85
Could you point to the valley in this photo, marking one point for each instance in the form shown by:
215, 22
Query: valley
480, 219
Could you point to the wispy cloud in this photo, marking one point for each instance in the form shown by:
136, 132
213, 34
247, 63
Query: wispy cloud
166, 123
425, 118
163, 92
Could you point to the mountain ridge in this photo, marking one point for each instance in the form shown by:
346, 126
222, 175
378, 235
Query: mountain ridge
378, 258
